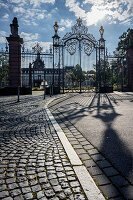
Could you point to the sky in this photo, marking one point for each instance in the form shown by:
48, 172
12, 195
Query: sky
37, 17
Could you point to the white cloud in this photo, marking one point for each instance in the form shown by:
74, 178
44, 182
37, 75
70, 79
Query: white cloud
41, 16
61, 29
3, 35
19, 10
44, 45
65, 22
6, 16
31, 16
19, 2
75, 7
112, 10
3, 5
37, 3
29, 36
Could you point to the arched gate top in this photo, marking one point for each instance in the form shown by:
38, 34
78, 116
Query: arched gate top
79, 32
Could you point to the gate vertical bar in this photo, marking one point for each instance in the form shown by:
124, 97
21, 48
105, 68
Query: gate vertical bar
63, 68
53, 69
96, 71
80, 61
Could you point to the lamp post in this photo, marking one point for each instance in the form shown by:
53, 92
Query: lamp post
101, 58
44, 83
55, 49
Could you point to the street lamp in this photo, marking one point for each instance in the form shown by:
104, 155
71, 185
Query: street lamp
101, 57
101, 31
56, 45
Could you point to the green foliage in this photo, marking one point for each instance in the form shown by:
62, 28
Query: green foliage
4, 70
123, 43
78, 74
91, 71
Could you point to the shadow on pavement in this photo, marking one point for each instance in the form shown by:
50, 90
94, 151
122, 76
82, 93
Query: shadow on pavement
112, 146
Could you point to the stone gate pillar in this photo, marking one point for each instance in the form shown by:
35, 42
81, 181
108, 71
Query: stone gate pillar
14, 55
130, 61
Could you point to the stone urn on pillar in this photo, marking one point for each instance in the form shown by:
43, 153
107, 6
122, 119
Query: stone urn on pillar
15, 43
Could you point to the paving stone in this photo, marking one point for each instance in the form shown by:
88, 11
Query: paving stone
71, 178
60, 174
77, 146
28, 196
4, 194
42, 174
20, 197
97, 157
33, 182
36, 188
103, 164
110, 191
80, 151
23, 184
101, 179
118, 198
62, 195
77, 190
95, 170
64, 185
87, 147
10, 180
40, 195
15, 192
3, 187
89, 163
84, 156
13, 186
119, 181
43, 180
110, 171
57, 188
46, 186
54, 182
67, 191
49, 193
93, 151
74, 184
26, 189
79, 197
127, 192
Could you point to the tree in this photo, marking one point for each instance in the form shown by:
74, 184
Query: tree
91, 71
78, 73
123, 43
4, 70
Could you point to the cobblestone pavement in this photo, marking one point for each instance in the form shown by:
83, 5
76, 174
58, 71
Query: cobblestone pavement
33, 163
103, 151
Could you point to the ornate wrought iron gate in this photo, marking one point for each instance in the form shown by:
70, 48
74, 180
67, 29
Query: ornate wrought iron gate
74, 48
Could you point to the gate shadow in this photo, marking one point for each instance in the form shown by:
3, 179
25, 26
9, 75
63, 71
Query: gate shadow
112, 146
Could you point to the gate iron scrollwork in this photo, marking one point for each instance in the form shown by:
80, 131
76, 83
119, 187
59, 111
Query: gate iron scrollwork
79, 33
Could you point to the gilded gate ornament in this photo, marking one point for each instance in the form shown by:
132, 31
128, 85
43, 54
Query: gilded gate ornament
79, 33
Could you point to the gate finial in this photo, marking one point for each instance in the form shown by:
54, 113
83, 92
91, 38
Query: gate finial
79, 21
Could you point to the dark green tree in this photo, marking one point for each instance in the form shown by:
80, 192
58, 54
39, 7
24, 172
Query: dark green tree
124, 41
79, 74
4, 70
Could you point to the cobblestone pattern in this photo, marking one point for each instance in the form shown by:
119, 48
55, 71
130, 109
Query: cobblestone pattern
33, 163
109, 179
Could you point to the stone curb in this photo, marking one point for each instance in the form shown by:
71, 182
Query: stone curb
86, 181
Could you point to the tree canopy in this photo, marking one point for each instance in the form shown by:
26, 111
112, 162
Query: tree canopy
78, 74
4, 69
